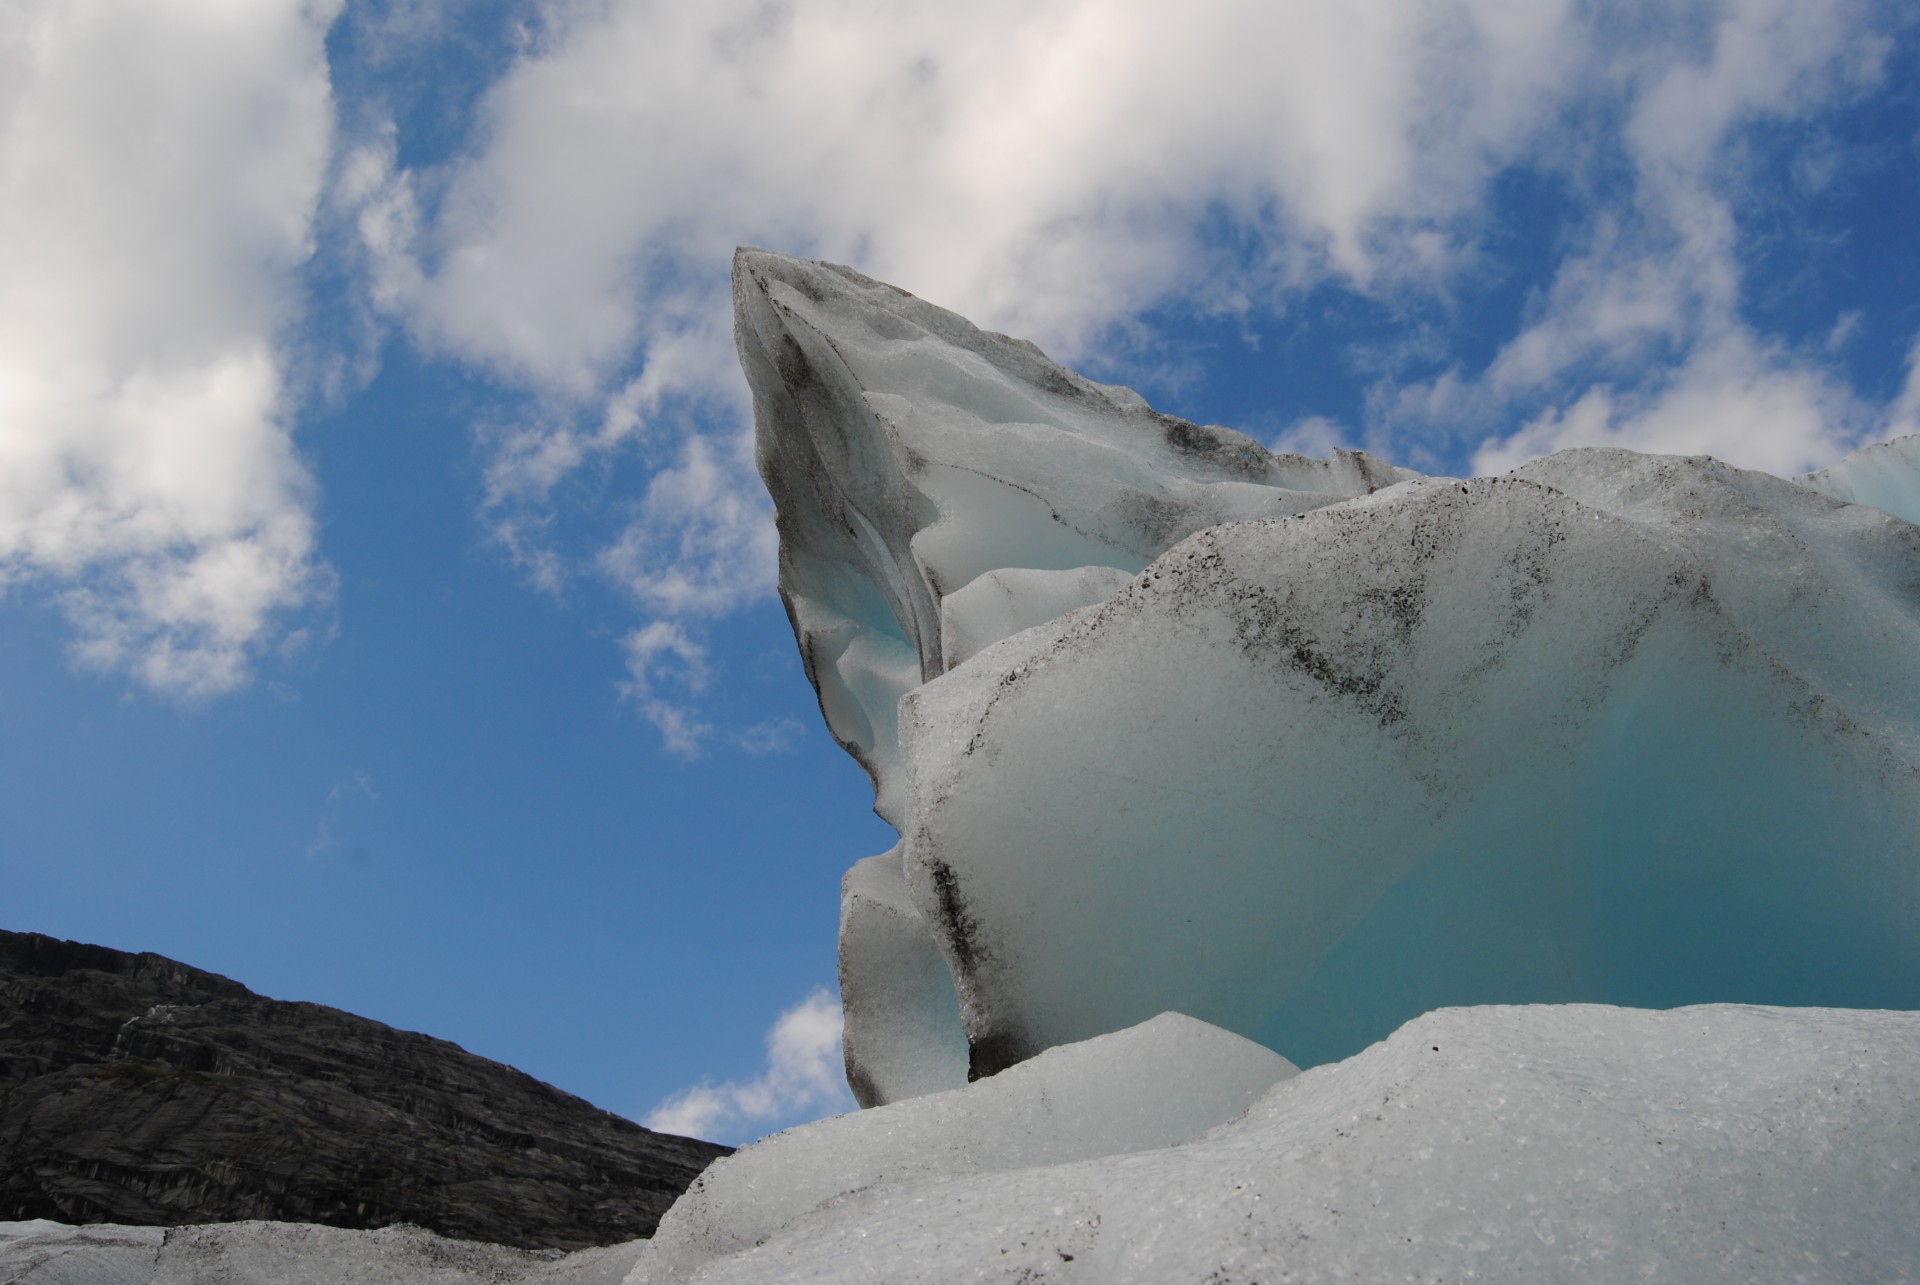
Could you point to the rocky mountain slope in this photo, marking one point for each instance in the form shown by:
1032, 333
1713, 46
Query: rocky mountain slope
135, 1089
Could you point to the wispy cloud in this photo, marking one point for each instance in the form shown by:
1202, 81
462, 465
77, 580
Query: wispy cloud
803, 1081
159, 169
666, 669
355, 790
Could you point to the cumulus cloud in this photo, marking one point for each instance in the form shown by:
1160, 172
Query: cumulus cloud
803, 1080
159, 168
1040, 166
1056, 168
704, 538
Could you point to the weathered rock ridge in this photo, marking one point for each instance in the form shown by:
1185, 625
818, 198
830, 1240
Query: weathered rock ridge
135, 1089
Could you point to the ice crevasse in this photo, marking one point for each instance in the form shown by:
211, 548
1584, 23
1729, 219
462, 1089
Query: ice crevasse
1304, 749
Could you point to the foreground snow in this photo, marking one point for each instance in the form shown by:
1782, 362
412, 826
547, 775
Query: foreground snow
1579, 1142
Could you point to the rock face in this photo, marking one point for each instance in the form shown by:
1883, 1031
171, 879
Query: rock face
1305, 749
138, 1090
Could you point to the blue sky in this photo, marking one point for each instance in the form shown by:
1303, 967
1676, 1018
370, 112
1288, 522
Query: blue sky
388, 614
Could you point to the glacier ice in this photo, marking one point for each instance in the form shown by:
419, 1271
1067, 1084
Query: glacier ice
1306, 749
1616, 728
937, 488
902, 1015
1163, 1082
909, 453
1529, 1143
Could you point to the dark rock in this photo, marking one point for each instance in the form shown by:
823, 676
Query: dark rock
134, 1089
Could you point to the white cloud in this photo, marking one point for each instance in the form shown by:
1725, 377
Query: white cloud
1040, 166
1746, 406
1046, 167
160, 162
1663, 268
1316, 435
1053, 168
804, 1079
704, 540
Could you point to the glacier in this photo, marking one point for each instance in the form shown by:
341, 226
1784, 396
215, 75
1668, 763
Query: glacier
1305, 749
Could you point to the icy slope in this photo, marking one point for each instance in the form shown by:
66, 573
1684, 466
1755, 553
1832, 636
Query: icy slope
1526, 1144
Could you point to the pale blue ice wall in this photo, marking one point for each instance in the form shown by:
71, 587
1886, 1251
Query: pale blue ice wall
1629, 729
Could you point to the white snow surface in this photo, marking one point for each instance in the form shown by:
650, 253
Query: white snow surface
1166, 1081
1522, 1144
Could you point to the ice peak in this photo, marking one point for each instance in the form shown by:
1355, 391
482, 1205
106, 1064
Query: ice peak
915, 458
